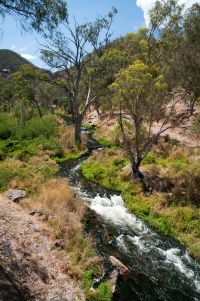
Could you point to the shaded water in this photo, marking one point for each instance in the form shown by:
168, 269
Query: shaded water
161, 268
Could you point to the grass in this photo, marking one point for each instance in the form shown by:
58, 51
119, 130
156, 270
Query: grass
29, 155
64, 212
177, 215
70, 156
28, 160
105, 136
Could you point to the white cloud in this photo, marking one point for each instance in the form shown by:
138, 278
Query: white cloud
28, 56
145, 5
22, 49
13, 47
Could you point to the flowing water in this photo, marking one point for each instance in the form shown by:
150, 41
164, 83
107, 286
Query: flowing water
160, 267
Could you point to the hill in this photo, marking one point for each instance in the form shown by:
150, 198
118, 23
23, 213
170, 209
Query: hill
11, 60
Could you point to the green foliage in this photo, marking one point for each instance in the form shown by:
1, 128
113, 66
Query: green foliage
102, 293
47, 171
21, 143
162, 223
105, 142
37, 14
149, 159
6, 175
70, 156
36, 127
8, 126
195, 128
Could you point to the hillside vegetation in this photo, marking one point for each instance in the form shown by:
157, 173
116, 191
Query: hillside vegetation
11, 60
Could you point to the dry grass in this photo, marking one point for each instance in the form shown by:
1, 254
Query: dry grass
67, 142
63, 211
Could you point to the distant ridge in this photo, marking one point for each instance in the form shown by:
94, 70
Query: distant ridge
11, 61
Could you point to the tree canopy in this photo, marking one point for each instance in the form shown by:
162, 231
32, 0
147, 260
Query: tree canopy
36, 14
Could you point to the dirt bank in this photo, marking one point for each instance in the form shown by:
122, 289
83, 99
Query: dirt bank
29, 268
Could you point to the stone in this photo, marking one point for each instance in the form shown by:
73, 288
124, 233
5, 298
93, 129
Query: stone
113, 279
60, 243
123, 270
15, 195
126, 171
36, 213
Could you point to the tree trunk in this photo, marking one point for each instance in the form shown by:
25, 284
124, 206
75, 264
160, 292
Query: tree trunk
192, 103
139, 176
78, 123
38, 108
136, 171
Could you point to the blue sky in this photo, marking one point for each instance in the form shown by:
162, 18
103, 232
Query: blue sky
131, 16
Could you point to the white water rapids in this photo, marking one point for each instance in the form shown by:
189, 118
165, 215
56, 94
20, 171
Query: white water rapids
114, 211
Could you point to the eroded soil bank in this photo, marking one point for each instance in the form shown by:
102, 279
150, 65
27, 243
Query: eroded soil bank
29, 268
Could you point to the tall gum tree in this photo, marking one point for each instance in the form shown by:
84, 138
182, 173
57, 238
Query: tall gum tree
27, 83
72, 52
141, 92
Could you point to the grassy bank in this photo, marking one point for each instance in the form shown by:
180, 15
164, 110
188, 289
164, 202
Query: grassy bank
176, 213
63, 212
29, 154
29, 158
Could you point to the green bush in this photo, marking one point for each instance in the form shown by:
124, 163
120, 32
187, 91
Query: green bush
47, 171
195, 128
8, 126
149, 159
6, 175
47, 144
45, 126
103, 293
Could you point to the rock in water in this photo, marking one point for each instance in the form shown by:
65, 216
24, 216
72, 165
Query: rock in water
113, 279
15, 195
123, 270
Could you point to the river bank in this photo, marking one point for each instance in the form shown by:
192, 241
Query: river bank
172, 171
113, 231
149, 255
30, 267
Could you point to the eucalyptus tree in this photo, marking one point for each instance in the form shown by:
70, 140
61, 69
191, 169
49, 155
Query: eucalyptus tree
36, 14
72, 52
180, 51
189, 55
141, 92
27, 83
6, 93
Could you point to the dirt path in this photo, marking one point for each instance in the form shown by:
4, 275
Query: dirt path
29, 265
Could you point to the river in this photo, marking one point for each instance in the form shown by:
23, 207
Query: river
160, 267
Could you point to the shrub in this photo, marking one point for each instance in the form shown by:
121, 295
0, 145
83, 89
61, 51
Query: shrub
149, 159
8, 126
45, 126
103, 293
187, 186
5, 176
195, 128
